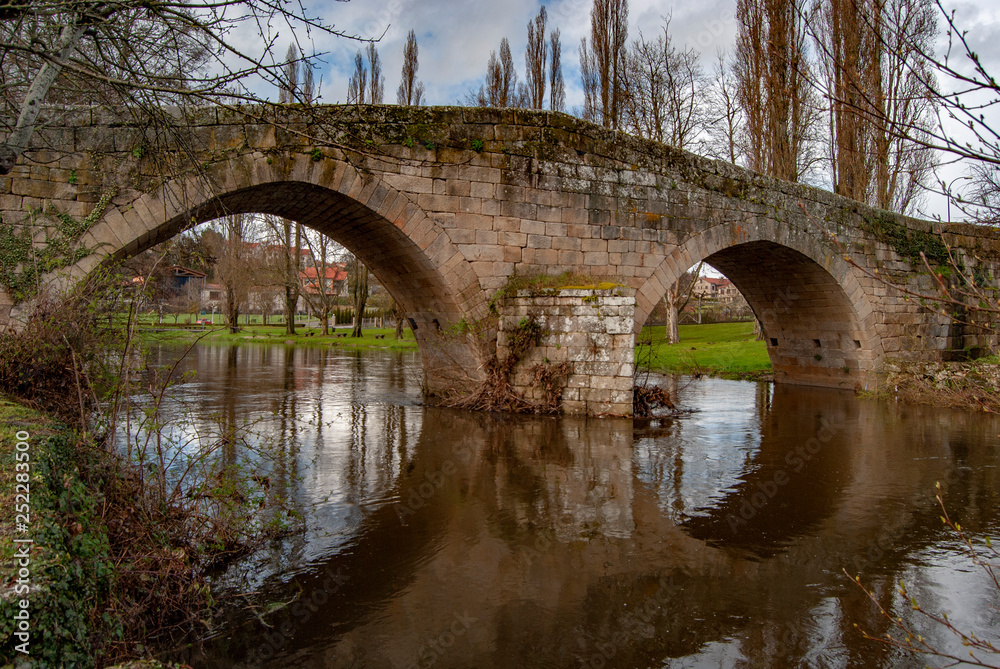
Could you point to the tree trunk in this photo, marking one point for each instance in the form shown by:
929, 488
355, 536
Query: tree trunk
360, 290
673, 334
399, 327
17, 141
325, 321
289, 312
232, 310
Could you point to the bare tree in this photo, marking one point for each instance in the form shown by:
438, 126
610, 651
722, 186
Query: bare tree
500, 88
357, 87
879, 110
320, 291
602, 62
376, 80
557, 87
293, 265
664, 91
135, 56
677, 297
772, 87
286, 92
357, 277
725, 115
535, 60
410, 91
233, 269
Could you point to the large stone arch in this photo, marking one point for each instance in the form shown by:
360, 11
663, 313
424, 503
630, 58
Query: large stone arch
819, 325
412, 257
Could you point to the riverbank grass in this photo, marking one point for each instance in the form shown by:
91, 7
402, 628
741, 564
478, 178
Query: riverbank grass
373, 338
718, 349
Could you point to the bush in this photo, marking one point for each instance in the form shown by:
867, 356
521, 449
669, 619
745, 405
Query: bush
67, 356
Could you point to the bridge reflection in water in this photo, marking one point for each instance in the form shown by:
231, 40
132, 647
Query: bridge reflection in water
450, 539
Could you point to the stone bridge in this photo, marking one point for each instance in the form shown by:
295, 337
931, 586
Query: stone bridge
446, 204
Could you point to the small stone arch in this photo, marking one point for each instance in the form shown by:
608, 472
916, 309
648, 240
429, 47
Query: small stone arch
819, 326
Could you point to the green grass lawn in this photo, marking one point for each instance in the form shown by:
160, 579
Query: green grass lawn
276, 335
726, 349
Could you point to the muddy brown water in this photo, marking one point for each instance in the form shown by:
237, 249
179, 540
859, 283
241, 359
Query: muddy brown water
440, 538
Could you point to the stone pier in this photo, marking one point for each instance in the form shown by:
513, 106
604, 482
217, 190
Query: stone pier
591, 329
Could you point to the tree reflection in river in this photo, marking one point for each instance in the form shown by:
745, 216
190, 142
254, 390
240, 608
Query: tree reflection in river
450, 539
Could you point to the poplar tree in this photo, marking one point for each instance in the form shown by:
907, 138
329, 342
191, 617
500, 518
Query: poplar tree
410, 91
602, 62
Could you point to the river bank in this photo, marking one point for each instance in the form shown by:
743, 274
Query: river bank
372, 338
98, 568
58, 569
971, 386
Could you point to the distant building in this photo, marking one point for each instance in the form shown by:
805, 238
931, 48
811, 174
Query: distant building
334, 282
182, 276
721, 290
212, 295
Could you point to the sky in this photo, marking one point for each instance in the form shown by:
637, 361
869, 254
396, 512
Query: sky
455, 38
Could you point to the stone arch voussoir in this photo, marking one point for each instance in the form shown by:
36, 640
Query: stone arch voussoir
854, 345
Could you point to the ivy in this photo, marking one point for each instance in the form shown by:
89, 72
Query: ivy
908, 242
23, 263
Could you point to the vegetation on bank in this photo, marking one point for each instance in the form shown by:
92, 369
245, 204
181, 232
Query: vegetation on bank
718, 349
90, 597
972, 385
126, 530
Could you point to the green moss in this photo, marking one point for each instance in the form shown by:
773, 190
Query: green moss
549, 284
908, 242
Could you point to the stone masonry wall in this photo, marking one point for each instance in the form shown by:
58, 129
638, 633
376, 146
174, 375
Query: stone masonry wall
445, 204
591, 329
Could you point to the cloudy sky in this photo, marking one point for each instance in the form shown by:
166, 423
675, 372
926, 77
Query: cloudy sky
455, 38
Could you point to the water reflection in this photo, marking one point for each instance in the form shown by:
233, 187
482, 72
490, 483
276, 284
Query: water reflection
450, 539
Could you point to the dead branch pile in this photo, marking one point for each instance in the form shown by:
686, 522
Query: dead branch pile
495, 392
647, 399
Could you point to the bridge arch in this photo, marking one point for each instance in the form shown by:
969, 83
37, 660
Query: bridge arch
819, 325
407, 251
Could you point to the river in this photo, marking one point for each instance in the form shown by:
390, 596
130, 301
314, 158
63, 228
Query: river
440, 538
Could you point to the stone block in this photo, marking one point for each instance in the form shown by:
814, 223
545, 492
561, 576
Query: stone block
482, 190
533, 228
595, 258
539, 242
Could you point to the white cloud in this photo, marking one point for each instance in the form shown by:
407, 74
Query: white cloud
456, 36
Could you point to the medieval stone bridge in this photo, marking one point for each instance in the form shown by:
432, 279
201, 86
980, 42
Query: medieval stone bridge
445, 204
